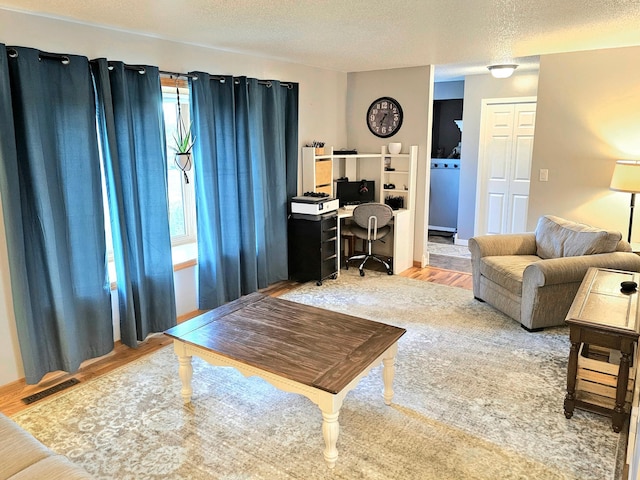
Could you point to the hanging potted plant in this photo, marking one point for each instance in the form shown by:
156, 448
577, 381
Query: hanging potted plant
183, 143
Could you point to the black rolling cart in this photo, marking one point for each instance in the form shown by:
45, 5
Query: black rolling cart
313, 247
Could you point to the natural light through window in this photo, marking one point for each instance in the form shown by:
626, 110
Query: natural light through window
181, 197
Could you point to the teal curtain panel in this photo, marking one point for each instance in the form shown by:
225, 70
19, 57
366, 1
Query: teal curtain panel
131, 126
52, 203
246, 140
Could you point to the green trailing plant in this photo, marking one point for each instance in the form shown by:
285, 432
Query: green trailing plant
183, 138
183, 142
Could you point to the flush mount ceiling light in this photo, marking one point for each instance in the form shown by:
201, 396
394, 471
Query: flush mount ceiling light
502, 71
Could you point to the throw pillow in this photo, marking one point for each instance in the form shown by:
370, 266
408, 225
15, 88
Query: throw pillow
557, 237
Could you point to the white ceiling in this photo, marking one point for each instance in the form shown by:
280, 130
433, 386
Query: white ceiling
458, 36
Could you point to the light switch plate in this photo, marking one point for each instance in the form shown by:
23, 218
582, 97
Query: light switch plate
544, 175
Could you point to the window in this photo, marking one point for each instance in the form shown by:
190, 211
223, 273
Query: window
182, 218
182, 214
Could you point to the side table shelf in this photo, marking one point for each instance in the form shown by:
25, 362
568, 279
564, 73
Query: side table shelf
597, 376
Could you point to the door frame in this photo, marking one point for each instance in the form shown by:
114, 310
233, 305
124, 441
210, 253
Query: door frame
481, 184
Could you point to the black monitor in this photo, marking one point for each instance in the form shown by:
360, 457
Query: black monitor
355, 193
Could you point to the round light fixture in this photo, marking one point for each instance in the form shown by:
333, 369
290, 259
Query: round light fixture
502, 71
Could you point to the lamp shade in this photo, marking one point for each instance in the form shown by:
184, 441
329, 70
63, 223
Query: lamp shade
502, 71
626, 176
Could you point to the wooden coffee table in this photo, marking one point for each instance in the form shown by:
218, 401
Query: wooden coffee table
297, 348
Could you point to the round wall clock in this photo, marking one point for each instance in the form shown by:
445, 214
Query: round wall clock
384, 117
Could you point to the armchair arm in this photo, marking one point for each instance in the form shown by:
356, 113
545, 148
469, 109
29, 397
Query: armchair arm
554, 271
506, 244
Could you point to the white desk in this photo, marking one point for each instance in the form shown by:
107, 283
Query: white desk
402, 250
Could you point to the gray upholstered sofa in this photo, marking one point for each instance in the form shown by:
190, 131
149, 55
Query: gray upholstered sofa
22, 457
533, 277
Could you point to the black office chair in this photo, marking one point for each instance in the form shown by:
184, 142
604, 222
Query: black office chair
370, 223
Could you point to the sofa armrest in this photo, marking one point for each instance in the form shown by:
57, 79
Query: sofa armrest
554, 271
506, 244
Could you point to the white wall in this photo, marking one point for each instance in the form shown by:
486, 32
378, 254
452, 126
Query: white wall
10, 362
413, 89
321, 114
448, 90
587, 118
476, 89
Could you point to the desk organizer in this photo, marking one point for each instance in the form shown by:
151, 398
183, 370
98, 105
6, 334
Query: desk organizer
395, 203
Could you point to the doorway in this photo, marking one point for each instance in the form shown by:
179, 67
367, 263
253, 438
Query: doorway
444, 186
445, 167
504, 165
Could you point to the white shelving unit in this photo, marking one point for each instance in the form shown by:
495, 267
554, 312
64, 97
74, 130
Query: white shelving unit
403, 176
316, 170
371, 166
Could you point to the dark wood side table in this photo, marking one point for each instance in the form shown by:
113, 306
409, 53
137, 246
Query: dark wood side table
602, 315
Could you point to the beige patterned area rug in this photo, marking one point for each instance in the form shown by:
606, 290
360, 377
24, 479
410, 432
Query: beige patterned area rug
449, 250
476, 397
444, 254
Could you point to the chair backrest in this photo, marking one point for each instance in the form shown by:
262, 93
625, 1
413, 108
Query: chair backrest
372, 216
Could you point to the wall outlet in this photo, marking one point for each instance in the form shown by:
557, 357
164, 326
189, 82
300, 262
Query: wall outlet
544, 175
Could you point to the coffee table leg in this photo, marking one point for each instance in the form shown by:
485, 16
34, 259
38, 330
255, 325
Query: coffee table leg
186, 372
388, 372
330, 432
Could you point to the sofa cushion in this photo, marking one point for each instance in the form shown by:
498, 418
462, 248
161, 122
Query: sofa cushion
18, 448
55, 467
23, 457
557, 237
624, 246
507, 270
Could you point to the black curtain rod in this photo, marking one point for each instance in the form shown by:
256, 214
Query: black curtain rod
221, 78
54, 56
137, 68
175, 74
13, 53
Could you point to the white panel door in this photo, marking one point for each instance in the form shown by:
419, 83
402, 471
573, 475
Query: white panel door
504, 166
498, 148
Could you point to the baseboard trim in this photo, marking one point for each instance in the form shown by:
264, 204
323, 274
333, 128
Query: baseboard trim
442, 229
21, 383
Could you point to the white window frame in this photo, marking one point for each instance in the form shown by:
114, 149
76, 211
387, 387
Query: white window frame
188, 191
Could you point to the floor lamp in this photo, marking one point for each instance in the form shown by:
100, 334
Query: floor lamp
626, 178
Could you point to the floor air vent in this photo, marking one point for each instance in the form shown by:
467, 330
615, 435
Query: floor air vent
50, 391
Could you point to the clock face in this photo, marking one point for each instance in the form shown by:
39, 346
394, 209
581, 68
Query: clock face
384, 117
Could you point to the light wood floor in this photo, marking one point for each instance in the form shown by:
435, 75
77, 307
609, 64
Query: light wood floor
11, 394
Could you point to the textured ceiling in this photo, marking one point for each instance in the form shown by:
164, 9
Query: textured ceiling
458, 36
